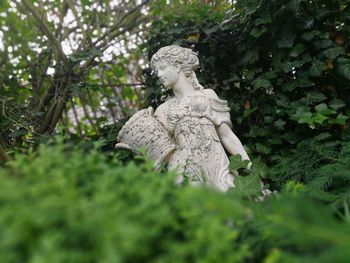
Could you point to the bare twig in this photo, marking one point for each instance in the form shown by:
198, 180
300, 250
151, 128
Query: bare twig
80, 131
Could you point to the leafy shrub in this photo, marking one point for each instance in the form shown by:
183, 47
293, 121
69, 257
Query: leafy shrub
64, 205
282, 65
68, 206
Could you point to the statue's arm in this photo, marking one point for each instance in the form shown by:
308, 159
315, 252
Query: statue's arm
228, 139
231, 142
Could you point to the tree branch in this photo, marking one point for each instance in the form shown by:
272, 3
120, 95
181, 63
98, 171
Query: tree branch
119, 24
4, 158
45, 29
77, 18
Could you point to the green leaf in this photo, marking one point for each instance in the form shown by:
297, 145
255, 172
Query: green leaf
275, 141
337, 104
333, 52
294, 5
249, 57
303, 82
341, 120
319, 118
236, 162
94, 52
250, 6
257, 32
297, 50
265, 18
261, 83
313, 97
279, 124
324, 110
260, 148
310, 35
18, 133
306, 117
290, 86
287, 40
344, 70
248, 185
256, 131
316, 68
268, 119
323, 136
324, 43
287, 66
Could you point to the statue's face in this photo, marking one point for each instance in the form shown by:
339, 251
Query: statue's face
167, 73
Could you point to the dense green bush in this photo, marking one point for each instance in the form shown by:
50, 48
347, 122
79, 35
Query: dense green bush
62, 204
282, 65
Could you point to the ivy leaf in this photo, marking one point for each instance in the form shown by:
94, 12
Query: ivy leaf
306, 117
294, 5
324, 110
337, 104
286, 41
289, 86
344, 70
18, 133
341, 120
261, 83
310, 35
287, 66
333, 52
275, 141
323, 136
279, 124
314, 97
248, 185
297, 50
316, 68
260, 148
324, 43
268, 119
303, 82
300, 110
236, 162
251, 6
264, 19
249, 57
257, 32
319, 118
211, 30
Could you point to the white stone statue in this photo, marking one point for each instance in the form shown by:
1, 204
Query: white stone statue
191, 129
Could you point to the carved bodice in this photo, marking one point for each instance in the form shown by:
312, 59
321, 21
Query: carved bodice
187, 113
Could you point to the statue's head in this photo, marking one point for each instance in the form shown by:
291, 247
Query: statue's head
181, 58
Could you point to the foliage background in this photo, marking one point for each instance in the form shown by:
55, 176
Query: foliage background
284, 68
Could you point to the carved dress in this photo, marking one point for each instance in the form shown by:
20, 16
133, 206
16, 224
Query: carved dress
192, 121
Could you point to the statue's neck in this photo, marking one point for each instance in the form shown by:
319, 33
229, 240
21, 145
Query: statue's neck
183, 87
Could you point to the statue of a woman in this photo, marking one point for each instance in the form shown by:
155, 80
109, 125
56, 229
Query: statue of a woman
196, 120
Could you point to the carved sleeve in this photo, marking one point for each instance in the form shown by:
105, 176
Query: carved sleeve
219, 112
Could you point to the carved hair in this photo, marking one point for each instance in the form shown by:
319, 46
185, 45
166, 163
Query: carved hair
181, 57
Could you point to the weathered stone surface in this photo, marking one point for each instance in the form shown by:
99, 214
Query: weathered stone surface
191, 130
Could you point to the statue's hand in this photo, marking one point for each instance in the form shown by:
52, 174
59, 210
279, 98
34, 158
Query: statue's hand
121, 145
150, 111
